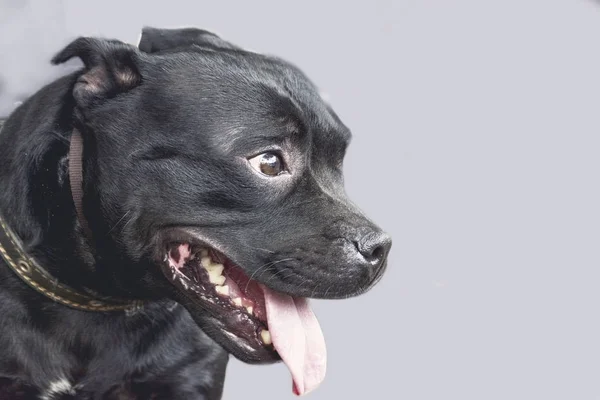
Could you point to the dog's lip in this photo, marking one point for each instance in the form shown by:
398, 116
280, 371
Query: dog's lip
174, 233
180, 233
183, 233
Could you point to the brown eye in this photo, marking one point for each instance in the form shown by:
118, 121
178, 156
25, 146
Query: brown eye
269, 164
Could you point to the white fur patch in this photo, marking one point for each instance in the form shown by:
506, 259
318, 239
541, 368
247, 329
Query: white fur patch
61, 386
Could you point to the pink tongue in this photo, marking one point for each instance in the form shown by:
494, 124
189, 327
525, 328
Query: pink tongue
298, 339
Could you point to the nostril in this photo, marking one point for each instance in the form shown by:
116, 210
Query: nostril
374, 247
378, 253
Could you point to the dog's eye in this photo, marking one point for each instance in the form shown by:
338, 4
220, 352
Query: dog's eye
269, 164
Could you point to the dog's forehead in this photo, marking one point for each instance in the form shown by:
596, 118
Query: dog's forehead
238, 92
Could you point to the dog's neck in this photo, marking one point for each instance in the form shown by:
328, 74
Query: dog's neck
35, 195
33, 150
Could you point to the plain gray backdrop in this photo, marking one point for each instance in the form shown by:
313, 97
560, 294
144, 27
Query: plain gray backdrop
476, 145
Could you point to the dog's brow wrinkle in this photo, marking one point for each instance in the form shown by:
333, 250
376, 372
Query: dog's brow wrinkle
229, 136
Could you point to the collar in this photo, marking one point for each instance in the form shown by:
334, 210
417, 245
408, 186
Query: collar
27, 268
76, 178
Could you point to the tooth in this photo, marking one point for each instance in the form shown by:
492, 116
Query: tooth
216, 279
250, 309
206, 261
265, 335
237, 301
214, 275
216, 268
224, 290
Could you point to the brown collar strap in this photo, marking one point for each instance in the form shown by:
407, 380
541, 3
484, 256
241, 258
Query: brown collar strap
76, 178
13, 252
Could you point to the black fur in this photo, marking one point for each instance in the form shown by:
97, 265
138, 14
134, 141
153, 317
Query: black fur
167, 131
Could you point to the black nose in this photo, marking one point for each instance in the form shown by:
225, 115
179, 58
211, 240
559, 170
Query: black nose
374, 247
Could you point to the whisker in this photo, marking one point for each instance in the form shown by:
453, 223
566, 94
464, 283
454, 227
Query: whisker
312, 293
128, 222
265, 268
327, 291
119, 221
61, 137
278, 272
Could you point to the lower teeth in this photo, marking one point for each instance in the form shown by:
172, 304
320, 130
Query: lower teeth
266, 337
224, 290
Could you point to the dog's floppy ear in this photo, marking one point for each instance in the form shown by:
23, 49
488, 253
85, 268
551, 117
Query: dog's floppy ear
154, 40
111, 67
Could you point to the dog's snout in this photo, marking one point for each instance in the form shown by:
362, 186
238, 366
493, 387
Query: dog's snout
374, 247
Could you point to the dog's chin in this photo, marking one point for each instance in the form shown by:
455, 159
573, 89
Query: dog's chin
221, 298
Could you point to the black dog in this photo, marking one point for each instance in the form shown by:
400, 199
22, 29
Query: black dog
212, 193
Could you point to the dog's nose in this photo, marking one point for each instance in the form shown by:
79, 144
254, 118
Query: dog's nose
374, 247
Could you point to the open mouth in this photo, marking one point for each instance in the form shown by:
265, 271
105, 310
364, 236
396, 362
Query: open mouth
251, 319
214, 279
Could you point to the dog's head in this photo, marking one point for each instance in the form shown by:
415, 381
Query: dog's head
216, 174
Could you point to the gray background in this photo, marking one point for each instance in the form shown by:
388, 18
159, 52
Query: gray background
476, 146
